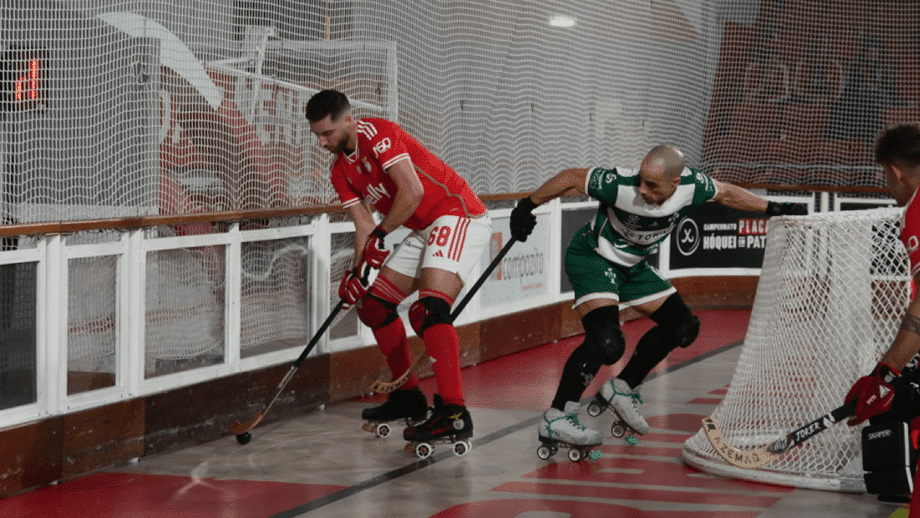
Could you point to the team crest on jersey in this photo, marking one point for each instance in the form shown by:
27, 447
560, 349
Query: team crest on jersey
367, 165
632, 220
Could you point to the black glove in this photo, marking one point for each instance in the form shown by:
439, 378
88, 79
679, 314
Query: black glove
522, 221
906, 396
786, 209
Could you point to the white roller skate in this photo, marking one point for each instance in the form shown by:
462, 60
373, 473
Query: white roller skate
561, 428
624, 403
406, 405
450, 424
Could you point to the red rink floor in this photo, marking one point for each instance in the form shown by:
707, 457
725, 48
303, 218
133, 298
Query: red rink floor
322, 464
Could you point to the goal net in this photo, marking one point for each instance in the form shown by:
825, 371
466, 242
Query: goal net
831, 296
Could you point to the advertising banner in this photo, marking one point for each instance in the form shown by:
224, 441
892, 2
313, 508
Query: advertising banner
524, 271
715, 237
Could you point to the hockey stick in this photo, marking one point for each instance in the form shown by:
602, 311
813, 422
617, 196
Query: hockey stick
242, 429
385, 387
754, 459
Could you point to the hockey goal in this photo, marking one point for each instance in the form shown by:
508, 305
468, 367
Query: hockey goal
831, 295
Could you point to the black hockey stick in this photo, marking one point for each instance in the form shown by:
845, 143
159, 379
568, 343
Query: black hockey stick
754, 459
242, 430
385, 387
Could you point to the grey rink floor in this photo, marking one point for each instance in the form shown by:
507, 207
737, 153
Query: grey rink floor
322, 464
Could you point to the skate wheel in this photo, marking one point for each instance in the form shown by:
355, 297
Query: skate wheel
383, 430
632, 440
574, 455
618, 430
595, 454
423, 450
461, 448
594, 409
544, 452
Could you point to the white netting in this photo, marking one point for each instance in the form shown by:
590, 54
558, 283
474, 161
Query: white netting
831, 296
142, 107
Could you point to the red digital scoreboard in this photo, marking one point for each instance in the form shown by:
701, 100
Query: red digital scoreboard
23, 79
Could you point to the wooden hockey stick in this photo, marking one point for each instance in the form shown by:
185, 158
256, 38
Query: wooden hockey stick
242, 429
764, 455
385, 387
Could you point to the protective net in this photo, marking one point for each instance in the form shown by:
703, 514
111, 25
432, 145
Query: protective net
831, 296
141, 107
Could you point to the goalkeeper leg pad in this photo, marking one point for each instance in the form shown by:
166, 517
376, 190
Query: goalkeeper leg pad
887, 458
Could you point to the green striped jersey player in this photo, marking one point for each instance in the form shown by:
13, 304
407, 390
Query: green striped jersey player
606, 263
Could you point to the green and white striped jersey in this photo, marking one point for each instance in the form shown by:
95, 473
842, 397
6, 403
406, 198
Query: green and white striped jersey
626, 228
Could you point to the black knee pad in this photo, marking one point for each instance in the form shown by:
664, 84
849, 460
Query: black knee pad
678, 325
375, 312
428, 311
602, 327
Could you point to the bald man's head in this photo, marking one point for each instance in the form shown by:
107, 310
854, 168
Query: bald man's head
660, 173
667, 159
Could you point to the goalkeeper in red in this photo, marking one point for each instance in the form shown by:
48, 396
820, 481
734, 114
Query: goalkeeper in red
606, 263
378, 165
893, 384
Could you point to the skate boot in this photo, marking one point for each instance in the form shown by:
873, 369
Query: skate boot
408, 405
624, 403
448, 424
560, 428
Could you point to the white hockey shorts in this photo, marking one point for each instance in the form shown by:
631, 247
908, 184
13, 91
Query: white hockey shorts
451, 243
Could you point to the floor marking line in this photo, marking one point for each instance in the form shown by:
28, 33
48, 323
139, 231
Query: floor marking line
438, 457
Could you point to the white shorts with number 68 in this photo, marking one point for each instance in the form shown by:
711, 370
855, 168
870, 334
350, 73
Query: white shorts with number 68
451, 243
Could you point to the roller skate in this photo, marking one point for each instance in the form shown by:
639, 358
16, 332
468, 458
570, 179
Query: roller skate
563, 429
407, 405
624, 403
451, 424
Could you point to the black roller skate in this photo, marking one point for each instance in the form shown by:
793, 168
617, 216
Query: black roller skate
408, 405
450, 424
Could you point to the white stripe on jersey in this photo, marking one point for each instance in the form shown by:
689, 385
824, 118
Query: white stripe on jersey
367, 129
351, 202
397, 158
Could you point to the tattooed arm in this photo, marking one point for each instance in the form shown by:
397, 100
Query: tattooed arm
907, 343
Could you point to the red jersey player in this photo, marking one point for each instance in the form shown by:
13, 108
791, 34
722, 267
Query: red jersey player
379, 165
897, 150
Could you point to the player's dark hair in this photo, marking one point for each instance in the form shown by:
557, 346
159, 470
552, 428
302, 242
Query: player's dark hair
899, 145
327, 102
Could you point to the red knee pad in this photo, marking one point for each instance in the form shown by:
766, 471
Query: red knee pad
431, 308
376, 313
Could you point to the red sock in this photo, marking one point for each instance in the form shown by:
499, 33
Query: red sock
394, 344
391, 338
443, 345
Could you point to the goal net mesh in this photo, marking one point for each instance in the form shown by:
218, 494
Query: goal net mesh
115, 108
831, 296
124, 108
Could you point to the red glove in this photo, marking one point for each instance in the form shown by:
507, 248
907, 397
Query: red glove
374, 251
353, 287
873, 394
